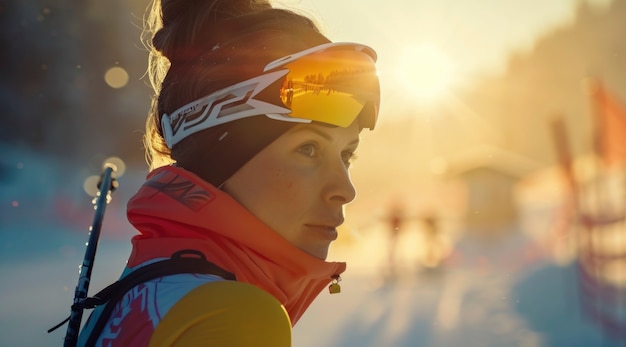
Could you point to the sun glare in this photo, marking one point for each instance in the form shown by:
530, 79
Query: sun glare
424, 71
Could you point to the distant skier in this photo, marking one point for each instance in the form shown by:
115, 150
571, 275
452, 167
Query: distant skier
434, 247
395, 221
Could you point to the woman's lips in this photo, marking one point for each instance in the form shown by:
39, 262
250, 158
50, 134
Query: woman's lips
326, 232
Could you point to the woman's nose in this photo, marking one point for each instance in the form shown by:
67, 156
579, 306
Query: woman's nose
339, 188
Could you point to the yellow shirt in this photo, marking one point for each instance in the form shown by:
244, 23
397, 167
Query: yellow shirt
225, 314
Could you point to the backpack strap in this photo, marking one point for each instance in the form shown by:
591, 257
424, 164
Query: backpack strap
184, 261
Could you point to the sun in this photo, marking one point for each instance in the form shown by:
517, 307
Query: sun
424, 71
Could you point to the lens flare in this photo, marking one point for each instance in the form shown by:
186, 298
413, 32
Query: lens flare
116, 77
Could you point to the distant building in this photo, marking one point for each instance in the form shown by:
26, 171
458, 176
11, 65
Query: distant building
489, 175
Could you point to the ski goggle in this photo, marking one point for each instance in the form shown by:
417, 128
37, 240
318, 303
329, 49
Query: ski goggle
333, 83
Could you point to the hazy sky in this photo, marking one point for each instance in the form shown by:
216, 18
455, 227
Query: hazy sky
439, 42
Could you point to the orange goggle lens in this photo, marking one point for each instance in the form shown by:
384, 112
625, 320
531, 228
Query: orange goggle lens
333, 86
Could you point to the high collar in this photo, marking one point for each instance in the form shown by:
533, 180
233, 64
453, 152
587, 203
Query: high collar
175, 209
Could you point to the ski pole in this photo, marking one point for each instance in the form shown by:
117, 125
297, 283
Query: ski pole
106, 185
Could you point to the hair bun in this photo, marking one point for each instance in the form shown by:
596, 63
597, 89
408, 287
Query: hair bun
185, 23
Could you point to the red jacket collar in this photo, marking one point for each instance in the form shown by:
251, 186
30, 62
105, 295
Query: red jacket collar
175, 210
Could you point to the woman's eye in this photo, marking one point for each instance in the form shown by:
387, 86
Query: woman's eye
310, 150
348, 157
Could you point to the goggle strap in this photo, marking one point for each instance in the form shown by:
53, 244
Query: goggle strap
242, 93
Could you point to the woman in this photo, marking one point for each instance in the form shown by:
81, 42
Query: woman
257, 116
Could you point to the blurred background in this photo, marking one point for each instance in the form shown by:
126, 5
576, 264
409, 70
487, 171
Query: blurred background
491, 206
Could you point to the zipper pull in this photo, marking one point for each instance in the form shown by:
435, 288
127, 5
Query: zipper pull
334, 287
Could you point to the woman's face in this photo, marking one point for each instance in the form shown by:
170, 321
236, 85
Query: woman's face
299, 184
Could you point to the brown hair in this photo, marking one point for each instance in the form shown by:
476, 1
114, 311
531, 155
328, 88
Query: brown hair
198, 47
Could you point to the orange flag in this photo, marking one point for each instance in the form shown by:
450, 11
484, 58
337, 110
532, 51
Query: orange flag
610, 136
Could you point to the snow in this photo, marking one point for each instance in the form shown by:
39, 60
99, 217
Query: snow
505, 295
